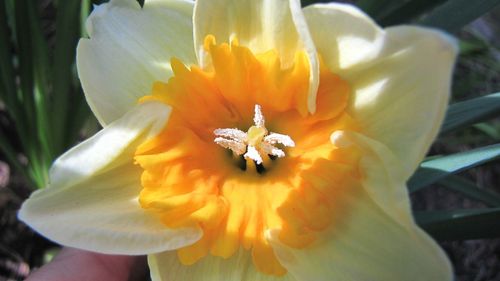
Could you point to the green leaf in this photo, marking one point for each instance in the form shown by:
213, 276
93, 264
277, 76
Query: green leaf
488, 130
468, 47
436, 169
471, 190
310, 2
406, 11
376, 9
454, 14
67, 35
8, 92
84, 14
469, 112
460, 224
25, 56
41, 69
33, 72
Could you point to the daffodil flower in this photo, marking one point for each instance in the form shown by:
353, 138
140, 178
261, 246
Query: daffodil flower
252, 140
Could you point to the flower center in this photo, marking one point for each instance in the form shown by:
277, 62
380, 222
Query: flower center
190, 182
257, 144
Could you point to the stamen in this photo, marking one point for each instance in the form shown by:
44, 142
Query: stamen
258, 118
234, 134
285, 140
253, 154
256, 144
237, 147
270, 149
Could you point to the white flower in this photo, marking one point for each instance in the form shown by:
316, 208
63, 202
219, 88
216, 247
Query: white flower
186, 170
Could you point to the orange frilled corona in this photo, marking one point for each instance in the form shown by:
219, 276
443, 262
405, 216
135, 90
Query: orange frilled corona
241, 154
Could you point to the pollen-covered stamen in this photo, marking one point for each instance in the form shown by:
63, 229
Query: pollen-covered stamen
285, 140
258, 118
256, 143
233, 134
237, 147
270, 149
233, 139
253, 154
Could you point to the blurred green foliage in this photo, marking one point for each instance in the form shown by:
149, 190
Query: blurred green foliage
39, 87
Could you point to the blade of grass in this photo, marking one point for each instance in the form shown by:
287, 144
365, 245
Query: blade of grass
67, 34
42, 69
471, 190
454, 14
489, 130
20, 102
25, 56
84, 14
460, 224
8, 92
41, 86
25, 59
433, 170
9, 7
472, 46
469, 112
33, 71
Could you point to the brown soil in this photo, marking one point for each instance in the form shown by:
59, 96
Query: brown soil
21, 249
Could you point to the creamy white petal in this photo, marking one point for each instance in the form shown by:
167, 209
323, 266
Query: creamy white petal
373, 235
112, 146
130, 48
239, 267
401, 99
260, 25
400, 76
365, 244
344, 36
92, 203
182, 6
383, 178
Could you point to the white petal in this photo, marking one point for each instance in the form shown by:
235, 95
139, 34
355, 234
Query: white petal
344, 36
384, 178
114, 145
130, 48
400, 76
239, 267
92, 200
401, 100
373, 236
261, 26
365, 244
